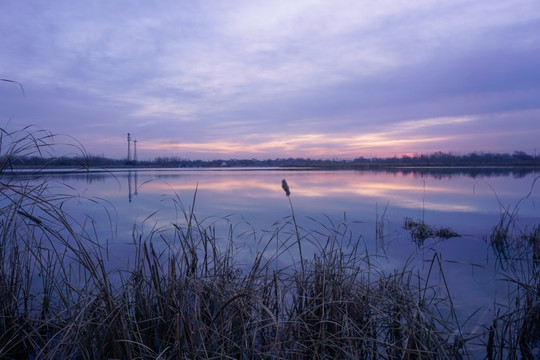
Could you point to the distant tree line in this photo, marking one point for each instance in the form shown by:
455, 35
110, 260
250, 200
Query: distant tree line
437, 159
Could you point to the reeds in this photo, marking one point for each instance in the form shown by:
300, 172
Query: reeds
514, 332
419, 231
184, 295
285, 188
190, 299
173, 305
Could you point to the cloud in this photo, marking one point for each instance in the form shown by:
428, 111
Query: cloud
272, 78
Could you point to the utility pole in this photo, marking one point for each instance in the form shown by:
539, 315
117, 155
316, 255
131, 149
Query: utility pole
129, 146
135, 150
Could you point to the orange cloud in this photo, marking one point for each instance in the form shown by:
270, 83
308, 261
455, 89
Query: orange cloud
305, 145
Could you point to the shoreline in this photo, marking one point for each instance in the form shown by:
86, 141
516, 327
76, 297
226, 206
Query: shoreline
20, 170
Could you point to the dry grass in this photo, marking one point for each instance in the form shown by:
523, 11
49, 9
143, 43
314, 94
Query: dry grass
193, 302
420, 231
515, 330
184, 296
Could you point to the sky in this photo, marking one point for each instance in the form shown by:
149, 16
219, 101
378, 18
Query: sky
275, 79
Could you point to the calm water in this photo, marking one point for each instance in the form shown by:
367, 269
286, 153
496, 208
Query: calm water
252, 201
470, 205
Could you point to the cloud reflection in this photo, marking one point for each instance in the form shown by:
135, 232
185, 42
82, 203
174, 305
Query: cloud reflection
333, 186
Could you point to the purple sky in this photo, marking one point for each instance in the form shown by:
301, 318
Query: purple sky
267, 79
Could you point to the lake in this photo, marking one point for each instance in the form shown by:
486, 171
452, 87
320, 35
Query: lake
367, 209
469, 203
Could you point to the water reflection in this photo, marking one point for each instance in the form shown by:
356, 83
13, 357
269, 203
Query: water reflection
132, 174
473, 172
374, 205
469, 198
418, 172
329, 188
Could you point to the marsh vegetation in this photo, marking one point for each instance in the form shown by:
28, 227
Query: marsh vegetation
185, 294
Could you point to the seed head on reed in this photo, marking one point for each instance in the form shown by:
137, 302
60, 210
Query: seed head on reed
285, 187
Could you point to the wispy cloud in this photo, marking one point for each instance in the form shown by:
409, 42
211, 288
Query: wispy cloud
311, 78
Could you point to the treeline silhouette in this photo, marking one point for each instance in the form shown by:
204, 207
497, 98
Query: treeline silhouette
437, 159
